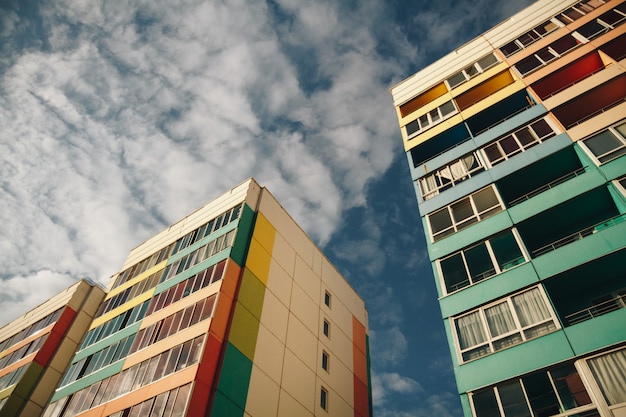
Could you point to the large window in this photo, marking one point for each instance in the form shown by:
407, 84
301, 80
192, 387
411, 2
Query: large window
464, 212
503, 324
480, 261
558, 391
609, 371
518, 141
608, 144
472, 70
450, 175
430, 119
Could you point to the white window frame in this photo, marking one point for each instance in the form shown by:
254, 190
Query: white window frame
555, 55
477, 215
534, 34
521, 147
494, 261
427, 120
519, 329
449, 175
479, 69
613, 130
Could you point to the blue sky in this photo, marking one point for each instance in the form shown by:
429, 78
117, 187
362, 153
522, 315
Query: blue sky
118, 118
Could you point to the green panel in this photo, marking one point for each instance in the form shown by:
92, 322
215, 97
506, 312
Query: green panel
465, 405
490, 289
212, 236
597, 333
557, 195
234, 380
223, 407
107, 341
191, 271
474, 233
369, 375
618, 198
615, 168
28, 380
244, 331
244, 232
251, 293
103, 373
517, 360
598, 244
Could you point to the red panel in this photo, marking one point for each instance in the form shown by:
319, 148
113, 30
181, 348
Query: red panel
361, 399
568, 75
54, 338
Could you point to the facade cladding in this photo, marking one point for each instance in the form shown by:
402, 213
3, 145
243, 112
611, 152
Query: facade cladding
36, 349
231, 311
516, 145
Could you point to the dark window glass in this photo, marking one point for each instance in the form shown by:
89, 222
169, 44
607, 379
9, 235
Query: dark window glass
454, 275
485, 404
541, 395
513, 401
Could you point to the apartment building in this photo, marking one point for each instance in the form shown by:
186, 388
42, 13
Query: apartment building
515, 143
231, 311
36, 348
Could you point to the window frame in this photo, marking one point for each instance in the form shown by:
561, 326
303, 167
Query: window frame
324, 399
532, 34
613, 129
519, 328
476, 66
439, 175
421, 128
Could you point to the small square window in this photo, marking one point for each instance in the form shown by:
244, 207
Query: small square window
325, 360
324, 399
327, 298
326, 328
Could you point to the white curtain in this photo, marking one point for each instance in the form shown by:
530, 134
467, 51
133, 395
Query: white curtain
499, 319
610, 372
470, 330
530, 307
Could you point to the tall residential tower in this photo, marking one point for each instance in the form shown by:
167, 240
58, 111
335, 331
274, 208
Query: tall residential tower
231, 311
516, 143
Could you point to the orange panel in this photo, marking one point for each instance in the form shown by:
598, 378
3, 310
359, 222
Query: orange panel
56, 335
231, 279
359, 364
484, 90
358, 335
221, 316
423, 99
361, 399
205, 377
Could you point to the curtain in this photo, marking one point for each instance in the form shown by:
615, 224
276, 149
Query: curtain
530, 307
610, 373
429, 184
499, 319
470, 330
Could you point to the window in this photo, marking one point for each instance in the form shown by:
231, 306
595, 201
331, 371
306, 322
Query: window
326, 328
480, 261
546, 55
608, 144
325, 361
450, 175
545, 393
503, 324
530, 37
609, 371
464, 213
324, 398
430, 119
473, 70
327, 298
518, 141
606, 22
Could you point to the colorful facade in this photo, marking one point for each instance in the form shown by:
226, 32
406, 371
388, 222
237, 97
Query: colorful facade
36, 349
231, 311
516, 144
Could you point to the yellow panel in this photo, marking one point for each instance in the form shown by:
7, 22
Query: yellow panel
258, 261
264, 232
423, 99
120, 309
432, 132
493, 99
243, 331
136, 279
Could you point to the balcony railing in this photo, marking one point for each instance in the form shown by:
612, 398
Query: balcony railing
579, 235
615, 303
548, 186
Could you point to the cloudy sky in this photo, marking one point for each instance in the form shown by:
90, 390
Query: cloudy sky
118, 118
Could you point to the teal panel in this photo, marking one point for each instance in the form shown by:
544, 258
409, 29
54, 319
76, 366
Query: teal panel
103, 373
508, 125
234, 379
597, 333
614, 169
574, 187
514, 361
107, 341
601, 243
490, 289
474, 233
465, 405
212, 236
239, 250
191, 271
460, 190
223, 407
618, 198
